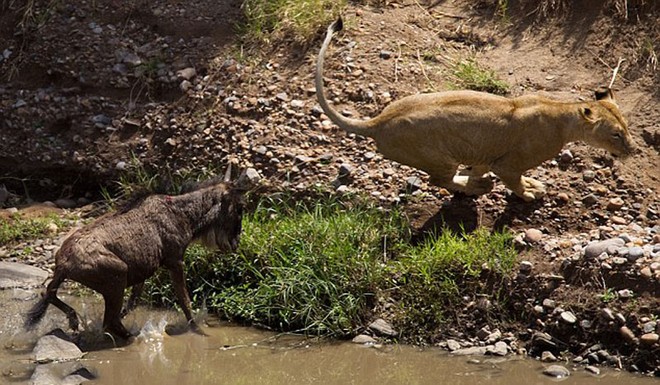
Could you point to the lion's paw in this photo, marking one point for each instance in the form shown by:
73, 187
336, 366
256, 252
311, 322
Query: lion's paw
479, 186
533, 189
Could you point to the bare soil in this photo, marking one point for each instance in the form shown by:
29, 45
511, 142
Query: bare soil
95, 88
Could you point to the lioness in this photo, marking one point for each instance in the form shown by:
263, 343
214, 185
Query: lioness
437, 132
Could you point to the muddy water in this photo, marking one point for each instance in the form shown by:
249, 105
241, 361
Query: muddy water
240, 355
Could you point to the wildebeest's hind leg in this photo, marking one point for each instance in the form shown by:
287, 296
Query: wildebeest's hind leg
50, 297
107, 275
136, 292
179, 281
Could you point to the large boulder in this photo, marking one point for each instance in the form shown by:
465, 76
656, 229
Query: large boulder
14, 274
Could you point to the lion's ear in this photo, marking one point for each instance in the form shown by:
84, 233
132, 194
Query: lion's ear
604, 94
588, 114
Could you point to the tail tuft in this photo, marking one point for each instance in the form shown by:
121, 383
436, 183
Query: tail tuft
338, 25
36, 313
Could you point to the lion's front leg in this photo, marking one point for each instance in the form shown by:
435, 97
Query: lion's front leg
528, 189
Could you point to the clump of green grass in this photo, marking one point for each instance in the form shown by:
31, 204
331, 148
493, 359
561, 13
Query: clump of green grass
468, 74
17, 228
298, 19
321, 267
434, 277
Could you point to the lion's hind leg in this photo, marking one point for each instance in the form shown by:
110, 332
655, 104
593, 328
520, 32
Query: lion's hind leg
478, 182
470, 185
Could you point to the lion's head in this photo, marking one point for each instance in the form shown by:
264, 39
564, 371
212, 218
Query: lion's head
607, 128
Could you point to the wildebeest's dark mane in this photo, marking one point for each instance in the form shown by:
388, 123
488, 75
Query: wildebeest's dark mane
198, 185
137, 197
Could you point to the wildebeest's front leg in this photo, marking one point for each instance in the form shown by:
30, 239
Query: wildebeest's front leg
136, 292
178, 276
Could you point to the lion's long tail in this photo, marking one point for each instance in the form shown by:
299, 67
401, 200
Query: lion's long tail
355, 126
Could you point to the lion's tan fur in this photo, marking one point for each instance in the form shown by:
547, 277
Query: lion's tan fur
437, 132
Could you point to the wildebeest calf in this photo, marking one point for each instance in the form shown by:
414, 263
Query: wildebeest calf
125, 248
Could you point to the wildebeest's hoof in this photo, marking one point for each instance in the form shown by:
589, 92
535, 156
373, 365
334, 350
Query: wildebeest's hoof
197, 329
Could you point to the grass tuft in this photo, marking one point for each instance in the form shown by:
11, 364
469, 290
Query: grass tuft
296, 19
468, 74
17, 228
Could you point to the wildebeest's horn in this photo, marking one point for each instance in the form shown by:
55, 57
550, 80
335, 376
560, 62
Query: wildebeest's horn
228, 173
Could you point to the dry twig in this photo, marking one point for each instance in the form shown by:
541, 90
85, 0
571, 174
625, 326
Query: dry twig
616, 70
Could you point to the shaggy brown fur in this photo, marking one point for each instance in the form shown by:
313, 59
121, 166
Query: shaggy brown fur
125, 248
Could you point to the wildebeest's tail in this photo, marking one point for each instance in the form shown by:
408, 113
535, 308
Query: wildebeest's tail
50, 297
36, 313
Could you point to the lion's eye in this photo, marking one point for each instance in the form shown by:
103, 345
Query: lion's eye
617, 135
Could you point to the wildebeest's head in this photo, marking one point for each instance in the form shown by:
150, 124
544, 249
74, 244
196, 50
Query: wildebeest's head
223, 221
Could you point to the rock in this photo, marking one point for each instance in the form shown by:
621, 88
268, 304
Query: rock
363, 339
620, 318
252, 175
526, 267
385, 54
483, 333
588, 176
186, 73
51, 374
66, 203
185, 85
345, 170
566, 156
568, 317
296, 103
649, 338
53, 348
13, 274
533, 235
453, 345
635, 253
649, 326
382, 327
592, 369
607, 314
499, 349
131, 58
563, 197
543, 340
494, 337
413, 183
590, 200
594, 249
549, 304
625, 293
547, 356
615, 204
556, 371
627, 334
475, 350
